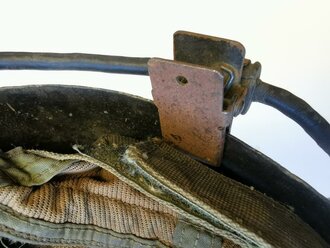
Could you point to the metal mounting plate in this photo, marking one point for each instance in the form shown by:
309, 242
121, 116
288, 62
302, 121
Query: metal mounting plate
190, 100
217, 53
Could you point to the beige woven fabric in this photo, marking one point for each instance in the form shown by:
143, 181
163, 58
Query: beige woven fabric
99, 199
236, 207
229, 244
147, 189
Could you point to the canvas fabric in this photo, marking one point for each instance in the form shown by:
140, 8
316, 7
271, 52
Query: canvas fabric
120, 192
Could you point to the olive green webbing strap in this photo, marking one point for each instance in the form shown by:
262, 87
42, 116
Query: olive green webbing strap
29, 169
201, 195
38, 167
243, 213
246, 210
29, 230
40, 232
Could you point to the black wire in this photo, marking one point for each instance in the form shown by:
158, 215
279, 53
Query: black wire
296, 109
73, 61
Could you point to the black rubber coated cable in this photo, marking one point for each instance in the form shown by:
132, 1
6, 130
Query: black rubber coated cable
73, 61
290, 105
296, 109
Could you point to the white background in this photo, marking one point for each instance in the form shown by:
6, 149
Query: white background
290, 38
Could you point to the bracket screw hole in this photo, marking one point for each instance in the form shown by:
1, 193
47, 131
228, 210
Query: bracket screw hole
181, 80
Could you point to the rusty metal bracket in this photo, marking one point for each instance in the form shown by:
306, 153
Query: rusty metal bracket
226, 56
190, 93
189, 99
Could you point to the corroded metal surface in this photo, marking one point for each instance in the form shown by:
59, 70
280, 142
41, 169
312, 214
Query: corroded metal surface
190, 100
217, 53
226, 56
190, 93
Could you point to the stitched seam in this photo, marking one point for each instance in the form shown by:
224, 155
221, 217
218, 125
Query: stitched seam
55, 169
71, 241
70, 228
197, 238
212, 241
181, 238
124, 178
